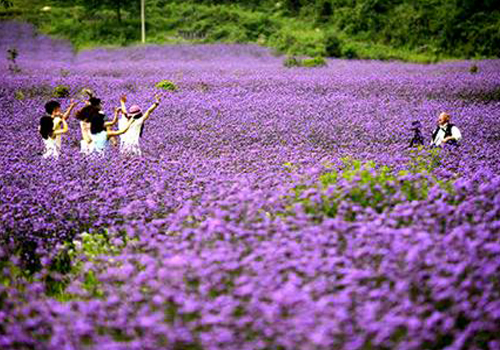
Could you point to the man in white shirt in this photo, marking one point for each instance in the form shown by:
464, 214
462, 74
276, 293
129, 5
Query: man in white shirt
446, 132
129, 141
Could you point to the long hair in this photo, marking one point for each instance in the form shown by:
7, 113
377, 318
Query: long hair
86, 113
46, 127
94, 101
96, 122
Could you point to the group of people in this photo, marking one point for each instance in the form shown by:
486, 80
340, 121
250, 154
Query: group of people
445, 133
97, 132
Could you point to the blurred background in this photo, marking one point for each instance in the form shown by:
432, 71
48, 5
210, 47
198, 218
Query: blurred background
409, 30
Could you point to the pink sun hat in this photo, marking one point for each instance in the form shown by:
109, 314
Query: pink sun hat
134, 110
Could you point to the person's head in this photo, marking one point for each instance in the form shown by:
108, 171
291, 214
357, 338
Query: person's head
135, 112
443, 118
95, 102
96, 122
46, 127
85, 114
52, 107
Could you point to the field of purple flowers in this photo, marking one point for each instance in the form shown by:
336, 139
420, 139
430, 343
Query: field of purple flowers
272, 209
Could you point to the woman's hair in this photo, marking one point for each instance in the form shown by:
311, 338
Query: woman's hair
94, 101
46, 127
85, 114
96, 122
138, 116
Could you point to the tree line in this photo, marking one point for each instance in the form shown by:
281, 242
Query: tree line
457, 28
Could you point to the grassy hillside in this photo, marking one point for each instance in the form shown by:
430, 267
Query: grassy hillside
422, 31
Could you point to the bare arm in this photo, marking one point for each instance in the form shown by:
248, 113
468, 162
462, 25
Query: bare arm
85, 134
70, 108
122, 131
63, 130
123, 99
152, 108
115, 119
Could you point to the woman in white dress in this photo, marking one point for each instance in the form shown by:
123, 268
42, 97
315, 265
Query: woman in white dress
50, 132
129, 142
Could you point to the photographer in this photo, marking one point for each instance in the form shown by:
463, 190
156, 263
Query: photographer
445, 132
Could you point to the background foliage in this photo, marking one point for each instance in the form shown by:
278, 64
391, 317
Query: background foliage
427, 30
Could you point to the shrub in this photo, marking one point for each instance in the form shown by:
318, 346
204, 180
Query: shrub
166, 85
349, 51
42, 90
313, 62
474, 69
424, 160
19, 95
291, 61
61, 91
349, 191
333, 45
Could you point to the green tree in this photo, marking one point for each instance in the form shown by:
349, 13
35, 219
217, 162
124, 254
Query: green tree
6, 3
95, 5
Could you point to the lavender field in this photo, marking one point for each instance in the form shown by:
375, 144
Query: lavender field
273, 208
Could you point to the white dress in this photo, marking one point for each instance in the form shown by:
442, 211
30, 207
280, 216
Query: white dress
122, 122
51, 148
129, 141
86, 147
100, 141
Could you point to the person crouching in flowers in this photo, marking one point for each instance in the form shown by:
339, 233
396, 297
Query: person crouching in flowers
50, 131
100, 132
445, 132
129, 142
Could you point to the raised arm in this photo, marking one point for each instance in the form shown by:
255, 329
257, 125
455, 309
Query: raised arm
115, 118
123, 99
152, 108
72, 105
122, 131
63, 130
